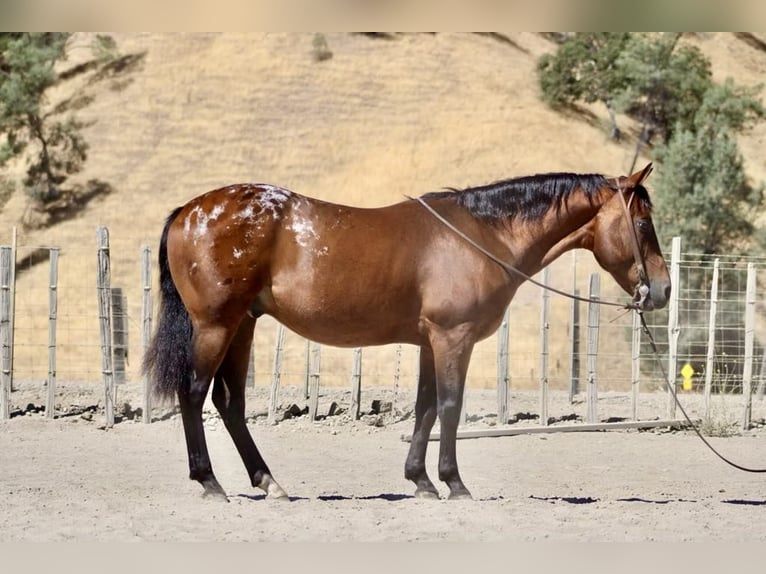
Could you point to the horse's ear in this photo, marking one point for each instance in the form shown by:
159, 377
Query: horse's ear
638, 177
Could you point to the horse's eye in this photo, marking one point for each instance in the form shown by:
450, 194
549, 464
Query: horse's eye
642, 225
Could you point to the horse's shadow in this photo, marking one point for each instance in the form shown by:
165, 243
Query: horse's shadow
590, 500
387, 497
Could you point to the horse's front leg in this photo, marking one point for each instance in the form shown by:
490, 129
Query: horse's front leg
452, 353
425, 417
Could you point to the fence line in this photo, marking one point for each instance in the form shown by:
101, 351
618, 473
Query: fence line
613, 348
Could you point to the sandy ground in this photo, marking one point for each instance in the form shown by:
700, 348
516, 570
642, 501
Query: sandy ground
68, 479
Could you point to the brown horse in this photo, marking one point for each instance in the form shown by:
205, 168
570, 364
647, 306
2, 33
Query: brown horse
347, 276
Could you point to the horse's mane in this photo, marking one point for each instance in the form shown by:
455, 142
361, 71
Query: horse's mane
528, 197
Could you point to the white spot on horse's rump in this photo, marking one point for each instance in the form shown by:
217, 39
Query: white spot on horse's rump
269, 200
237, 253
202, 220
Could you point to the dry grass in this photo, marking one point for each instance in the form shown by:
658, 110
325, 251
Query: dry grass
378, 120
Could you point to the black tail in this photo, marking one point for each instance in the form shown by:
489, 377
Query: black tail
168, 360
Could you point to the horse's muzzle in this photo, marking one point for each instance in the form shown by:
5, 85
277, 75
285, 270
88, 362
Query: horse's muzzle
652, 296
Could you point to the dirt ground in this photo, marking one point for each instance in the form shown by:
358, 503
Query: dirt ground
69, 479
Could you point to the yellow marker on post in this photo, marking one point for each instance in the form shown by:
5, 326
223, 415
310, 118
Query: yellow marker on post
687, 372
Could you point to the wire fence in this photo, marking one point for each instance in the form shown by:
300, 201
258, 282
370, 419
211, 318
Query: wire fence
549, 341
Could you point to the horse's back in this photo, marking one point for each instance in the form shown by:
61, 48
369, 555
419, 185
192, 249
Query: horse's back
327, 270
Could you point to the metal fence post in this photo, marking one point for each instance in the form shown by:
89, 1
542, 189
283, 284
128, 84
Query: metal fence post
711, 339
747, 368
592, 359
673, 328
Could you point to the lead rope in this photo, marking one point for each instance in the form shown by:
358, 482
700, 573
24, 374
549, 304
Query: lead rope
672, 390
639, 262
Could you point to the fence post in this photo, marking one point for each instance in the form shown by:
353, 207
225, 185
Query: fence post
544, 327
5, 332
747, 370
316, 356
250, 377
119, 334
574, 336
502, 368
12, 316
593, 327
397, 376
146, 323
104, 315
306, 369
711, 339
673, 328
50, 405
635, 373
356, 383
276, 374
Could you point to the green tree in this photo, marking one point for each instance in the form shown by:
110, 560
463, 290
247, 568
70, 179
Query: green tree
585, 68
26, 73
703, 193
649, 77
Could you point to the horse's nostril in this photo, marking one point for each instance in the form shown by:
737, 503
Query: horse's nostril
667, 291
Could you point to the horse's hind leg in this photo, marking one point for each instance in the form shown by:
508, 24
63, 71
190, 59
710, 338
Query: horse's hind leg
229, 399
425, 416
209, 347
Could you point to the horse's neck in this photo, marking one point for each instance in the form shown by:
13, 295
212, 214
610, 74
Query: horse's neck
569, 228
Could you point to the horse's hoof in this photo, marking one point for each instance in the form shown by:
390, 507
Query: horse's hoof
218, 495
426, 494
272, 488
463, 495
281, 497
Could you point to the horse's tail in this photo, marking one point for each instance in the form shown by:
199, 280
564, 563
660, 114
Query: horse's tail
168, 360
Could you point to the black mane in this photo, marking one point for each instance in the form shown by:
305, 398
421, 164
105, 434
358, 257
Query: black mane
528, 197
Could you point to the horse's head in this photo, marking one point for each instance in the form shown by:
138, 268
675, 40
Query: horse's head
625, 243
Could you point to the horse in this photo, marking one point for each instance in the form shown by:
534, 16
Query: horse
350, 277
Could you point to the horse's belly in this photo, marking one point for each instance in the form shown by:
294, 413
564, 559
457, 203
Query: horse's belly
343, 320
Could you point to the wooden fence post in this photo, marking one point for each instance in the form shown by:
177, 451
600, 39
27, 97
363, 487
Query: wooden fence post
674, 329
397, 375
316, 355
635, 364
50, 404
5, 332
250, 377
503, 378
544, 328
105, 318
747, 368
146, 323
574, 336
356, 383
276, 374
306, 369
711, 339
12, 285
119, 334
592, 358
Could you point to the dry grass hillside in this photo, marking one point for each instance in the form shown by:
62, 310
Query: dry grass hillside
380, 119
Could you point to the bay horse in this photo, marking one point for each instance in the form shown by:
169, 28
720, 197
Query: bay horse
349, 277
